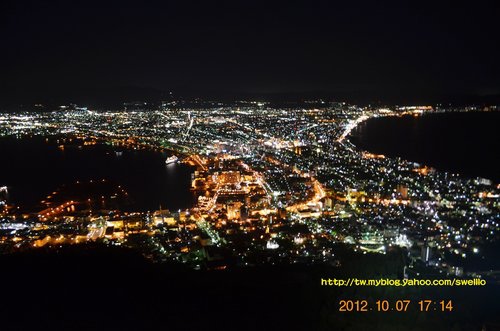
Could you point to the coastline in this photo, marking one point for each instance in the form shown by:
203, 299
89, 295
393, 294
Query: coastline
375, 145
64, 163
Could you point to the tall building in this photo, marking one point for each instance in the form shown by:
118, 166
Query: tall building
234, 210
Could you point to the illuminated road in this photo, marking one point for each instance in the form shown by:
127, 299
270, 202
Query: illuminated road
351, 126
198, 161
319, 193
214, 236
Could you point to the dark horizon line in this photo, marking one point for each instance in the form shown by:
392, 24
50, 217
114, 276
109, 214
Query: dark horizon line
117, 96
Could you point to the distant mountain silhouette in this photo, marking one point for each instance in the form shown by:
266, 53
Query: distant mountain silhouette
114, 97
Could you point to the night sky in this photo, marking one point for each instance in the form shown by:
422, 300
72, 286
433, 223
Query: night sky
369, 51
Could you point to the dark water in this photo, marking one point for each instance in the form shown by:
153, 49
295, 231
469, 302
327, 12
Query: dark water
464, 143
33, 168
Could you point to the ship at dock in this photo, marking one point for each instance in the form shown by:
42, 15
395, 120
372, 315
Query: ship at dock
172, 159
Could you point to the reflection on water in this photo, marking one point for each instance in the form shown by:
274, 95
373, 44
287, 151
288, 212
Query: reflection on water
33, 168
